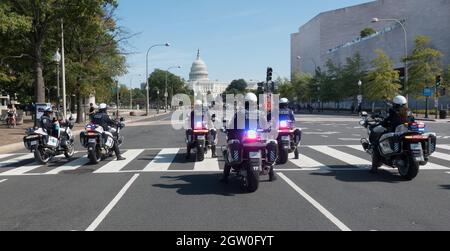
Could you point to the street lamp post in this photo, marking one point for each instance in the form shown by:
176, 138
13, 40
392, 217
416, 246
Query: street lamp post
63, 71
57, 59
402, 24
165, 93
360, 96
146, 76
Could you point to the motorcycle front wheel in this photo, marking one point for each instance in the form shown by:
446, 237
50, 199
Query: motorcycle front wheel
200, 154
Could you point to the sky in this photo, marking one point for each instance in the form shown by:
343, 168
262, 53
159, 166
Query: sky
237, 38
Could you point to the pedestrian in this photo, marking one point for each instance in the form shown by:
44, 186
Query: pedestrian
91, 111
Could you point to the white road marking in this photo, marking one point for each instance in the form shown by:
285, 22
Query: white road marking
445, 147
1, 181
349, 139
306, 162
357, 147
320, 133
112, 204
316, 204
116, 166
73, 165
208, 164
163, 160
2, 156
15, 160
21, 170
442, 156
345, 157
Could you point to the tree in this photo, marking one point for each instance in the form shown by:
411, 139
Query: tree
423, 65
352, 73
367, 32
301, 86
237, 87
383, 82
157, 81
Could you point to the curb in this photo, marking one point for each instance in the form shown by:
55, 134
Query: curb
19, 146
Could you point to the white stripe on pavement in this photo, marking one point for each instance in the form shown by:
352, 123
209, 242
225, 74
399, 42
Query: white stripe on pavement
442, 156
345, 157
116, 166
316, 204
445, 147
1, 181
163, 160
208, 164
21, 170
73, 165
15, 160
307, 163
112, 204
2, 156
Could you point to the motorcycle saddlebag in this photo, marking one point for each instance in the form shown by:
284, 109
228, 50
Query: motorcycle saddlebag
430, 144
52, 142
390, 144
272, 152
235, 152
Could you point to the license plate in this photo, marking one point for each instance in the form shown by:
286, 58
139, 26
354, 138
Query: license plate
416, 147
92, 140
33, 143
201, 137
285, 138
255, 155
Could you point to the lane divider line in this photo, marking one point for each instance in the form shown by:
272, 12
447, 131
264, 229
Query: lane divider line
1, 181
111, 205
316, 204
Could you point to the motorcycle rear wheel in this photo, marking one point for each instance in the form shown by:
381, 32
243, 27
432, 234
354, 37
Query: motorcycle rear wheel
252, 179
200, 154
70, 151
410, 170
95, 156
41, 157
283, 156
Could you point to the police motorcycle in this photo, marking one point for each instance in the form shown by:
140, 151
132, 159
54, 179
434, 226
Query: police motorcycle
406, 149
197, 139
45, 147
289, 139
99, 142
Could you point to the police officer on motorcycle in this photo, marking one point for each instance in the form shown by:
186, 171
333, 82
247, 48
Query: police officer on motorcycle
244, 119
287, 114
398, 115
199, 115
102, 118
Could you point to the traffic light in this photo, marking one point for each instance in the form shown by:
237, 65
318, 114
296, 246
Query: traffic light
439, 81
269, 74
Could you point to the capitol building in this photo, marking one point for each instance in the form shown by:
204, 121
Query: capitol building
199, 80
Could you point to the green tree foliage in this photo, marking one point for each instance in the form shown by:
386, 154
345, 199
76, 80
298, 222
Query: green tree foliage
367, 32
424, 65
157, 81
237, 87
301, 86
382, 83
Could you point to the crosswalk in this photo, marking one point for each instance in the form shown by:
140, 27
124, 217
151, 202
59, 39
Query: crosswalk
312, 158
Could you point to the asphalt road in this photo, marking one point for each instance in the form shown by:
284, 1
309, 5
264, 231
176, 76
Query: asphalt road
328, 189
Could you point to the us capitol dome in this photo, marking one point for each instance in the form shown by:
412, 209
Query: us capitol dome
199, 80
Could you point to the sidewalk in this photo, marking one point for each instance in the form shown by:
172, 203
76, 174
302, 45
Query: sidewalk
11, 139
431, 118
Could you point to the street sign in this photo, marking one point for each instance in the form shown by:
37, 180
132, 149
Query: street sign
360, 98
427, 92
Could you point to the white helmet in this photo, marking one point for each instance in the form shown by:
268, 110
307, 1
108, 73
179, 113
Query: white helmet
400, 100
103, 106
251, 97
284, 101
198, 102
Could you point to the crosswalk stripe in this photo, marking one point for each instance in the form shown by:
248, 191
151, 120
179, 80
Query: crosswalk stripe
163, 160
442, 156
116, 166
445, 147
2, 156
307, 163
21, 170
16, 159
73, 165
208, 164
345, 157
357, 147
